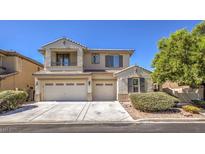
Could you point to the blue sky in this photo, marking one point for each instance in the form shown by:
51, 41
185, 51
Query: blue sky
27, 37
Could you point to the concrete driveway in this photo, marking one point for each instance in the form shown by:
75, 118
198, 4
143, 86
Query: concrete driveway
67, 112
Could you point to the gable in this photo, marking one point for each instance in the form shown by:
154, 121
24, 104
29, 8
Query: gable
133, 71
63, 43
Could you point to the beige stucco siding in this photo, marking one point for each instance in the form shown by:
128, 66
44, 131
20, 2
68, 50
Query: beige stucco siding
123, 76
101, 66
10, 62
23, 79
103, 76
7, 83
65, 46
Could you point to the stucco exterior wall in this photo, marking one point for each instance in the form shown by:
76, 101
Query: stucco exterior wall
49, 56
101, 66
8, 83
122, 81
23, 79
10, 62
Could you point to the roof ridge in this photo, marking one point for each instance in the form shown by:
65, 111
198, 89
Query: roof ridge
64, 38
132, 67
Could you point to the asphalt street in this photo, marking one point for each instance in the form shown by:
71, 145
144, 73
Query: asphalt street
105, 128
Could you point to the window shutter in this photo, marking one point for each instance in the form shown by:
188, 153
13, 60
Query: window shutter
130, 86
120, 61
142, 84
109, 61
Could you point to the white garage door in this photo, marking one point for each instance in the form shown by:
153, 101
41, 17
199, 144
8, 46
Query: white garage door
70, 90
104, 90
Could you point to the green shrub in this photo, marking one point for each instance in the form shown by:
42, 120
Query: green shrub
199, 102
191, 109
153, 101
11, 99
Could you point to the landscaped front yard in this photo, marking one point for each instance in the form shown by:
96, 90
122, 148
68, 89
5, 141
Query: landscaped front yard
11, 100
137, 114
158, 108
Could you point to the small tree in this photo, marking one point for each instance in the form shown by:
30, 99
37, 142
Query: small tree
181, 57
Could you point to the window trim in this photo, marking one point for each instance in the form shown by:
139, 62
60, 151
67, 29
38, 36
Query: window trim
94, 61
59, 84
131, 85
111, 63
63, 56
136, 86
49, 84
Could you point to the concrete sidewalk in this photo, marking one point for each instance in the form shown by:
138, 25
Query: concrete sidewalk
48, 112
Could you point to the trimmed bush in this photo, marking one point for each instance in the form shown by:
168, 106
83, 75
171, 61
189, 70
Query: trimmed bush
199, 103
153, 101
11, 99
191, 109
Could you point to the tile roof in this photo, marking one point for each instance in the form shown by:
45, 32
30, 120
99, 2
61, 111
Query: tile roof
4, 75
85, 47
64, 38
14, 53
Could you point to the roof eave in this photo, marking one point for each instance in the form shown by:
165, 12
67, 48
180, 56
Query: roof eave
130, 51
63, 38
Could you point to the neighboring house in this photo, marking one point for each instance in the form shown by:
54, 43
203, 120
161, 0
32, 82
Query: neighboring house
16, 71
74, 72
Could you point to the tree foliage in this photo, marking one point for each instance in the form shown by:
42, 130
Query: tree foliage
181, 57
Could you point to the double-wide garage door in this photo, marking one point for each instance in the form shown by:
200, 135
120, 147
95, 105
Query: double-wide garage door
70, 90
104, 90
76, 90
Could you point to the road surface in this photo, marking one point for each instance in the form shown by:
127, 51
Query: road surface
106, 128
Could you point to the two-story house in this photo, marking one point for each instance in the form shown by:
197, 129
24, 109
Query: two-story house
16, 71
75, 72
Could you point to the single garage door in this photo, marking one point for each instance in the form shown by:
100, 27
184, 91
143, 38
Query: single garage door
67, 91
104, 90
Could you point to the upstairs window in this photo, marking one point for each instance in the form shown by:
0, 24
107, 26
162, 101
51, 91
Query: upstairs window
114, 61
95, 59
62, 60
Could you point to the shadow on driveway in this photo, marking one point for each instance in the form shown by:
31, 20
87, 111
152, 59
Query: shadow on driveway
21, 109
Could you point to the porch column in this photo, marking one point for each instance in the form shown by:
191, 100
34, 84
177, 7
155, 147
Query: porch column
80, 58
47, 58
37, 97
90, 88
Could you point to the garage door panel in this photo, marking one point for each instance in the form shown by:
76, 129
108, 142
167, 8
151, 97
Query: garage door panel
104, 90
68, 90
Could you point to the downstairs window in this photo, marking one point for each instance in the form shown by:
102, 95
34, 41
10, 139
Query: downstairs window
136, 85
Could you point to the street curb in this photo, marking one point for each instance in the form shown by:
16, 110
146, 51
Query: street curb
171, 120
138, 121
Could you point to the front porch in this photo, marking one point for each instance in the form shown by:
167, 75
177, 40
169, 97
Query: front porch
64, 59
